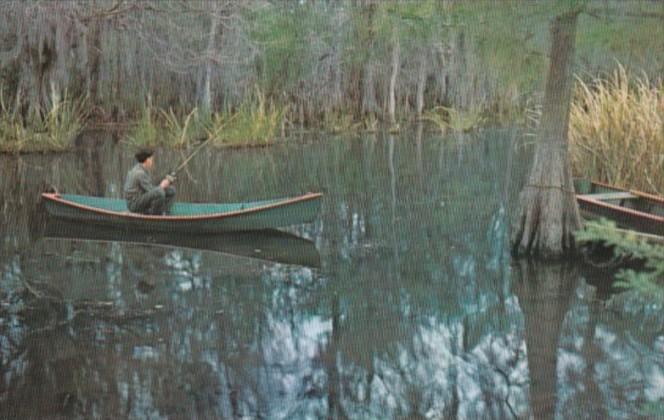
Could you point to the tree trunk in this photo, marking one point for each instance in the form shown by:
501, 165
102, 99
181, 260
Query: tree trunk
206, 94
421, 83
396, 53
37, 58
94, 60
369, 103
548, 213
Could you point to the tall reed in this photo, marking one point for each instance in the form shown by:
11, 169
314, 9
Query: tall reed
12, 132
55, 130
64, 120
257, 121
146, 131
617, 130
181, 133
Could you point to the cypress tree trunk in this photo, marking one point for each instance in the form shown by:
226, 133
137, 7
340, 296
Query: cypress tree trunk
206, 94
94, 60
421, 83
396, 55
548, 213
369, 103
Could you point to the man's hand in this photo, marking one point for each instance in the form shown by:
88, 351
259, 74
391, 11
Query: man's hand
165, 183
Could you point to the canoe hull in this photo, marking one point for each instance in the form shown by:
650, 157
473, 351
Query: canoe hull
278, 213
632, 210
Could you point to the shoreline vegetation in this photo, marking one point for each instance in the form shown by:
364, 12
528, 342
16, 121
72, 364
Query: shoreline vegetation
617, 130
615, 121
170, 73
621, 111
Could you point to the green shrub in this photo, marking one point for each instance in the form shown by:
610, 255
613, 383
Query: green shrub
649, 282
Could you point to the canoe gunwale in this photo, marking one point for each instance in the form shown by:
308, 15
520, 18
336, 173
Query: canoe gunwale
639, 194
620, 209
646, 225
55, 197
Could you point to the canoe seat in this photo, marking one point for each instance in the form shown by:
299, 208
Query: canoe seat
617, 195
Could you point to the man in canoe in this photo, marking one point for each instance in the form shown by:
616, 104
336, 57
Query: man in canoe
141, 194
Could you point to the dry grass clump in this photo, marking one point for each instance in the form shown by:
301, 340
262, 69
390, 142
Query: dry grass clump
617, 131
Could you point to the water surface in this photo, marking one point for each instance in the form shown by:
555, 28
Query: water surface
413, 308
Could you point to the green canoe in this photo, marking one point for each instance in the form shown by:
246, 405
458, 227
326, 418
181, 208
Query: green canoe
187, 217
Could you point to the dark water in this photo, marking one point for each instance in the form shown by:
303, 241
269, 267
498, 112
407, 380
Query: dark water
400, 302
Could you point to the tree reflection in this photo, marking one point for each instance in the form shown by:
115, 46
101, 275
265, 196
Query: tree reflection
544, 293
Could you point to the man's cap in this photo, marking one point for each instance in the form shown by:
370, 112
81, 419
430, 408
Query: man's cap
143, 154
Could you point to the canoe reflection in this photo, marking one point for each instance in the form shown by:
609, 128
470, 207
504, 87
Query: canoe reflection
270, 244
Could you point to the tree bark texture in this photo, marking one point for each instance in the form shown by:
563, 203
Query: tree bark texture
548, 213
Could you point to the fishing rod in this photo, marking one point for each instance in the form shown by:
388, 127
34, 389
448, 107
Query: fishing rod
186, 161
211, 136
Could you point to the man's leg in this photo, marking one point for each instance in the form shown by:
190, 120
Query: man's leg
165, 201
163, 204
149, 203
169, 199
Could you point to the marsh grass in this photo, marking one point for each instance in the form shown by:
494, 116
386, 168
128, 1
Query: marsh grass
256, 122
64, 120
55, 130
344, 122
182, 133
370, 123
461, 121
146, 131
617, 131
12, 132
340, 122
